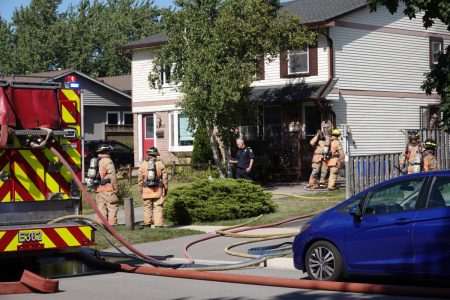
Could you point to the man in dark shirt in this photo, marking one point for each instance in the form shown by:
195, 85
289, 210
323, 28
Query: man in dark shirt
244, 160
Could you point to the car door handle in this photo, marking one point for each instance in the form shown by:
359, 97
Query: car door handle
403, 221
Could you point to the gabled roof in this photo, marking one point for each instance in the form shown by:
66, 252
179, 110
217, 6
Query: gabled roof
310, 12
57, 74
121, 82
151, 41
321, 11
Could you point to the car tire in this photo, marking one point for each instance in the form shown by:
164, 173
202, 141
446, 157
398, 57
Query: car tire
324, 262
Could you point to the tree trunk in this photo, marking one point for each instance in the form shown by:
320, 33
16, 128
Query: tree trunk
214, 145
226, 151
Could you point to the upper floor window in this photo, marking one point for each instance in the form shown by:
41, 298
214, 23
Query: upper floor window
436, 47
112, 117
298, 62
164, 75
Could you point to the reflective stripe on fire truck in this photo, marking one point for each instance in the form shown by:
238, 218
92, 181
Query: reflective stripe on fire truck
45, 238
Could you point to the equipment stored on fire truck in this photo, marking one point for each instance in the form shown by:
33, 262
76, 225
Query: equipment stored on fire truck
35, 187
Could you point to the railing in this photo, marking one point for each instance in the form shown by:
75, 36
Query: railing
132, 172
364, 171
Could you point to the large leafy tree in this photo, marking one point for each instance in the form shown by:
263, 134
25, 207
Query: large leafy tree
34, 36
212, 51
6, 63
85, 37
97, 29
438, 79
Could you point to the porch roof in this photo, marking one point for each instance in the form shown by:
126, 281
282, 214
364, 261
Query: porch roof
294, 92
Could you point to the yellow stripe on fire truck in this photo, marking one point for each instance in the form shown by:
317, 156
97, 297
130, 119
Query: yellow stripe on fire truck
50, 182
28, 184
45, 238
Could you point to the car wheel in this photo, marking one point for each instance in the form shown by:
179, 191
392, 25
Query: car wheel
323, 262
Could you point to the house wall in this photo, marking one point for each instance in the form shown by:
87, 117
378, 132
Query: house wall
380, 60
272, 68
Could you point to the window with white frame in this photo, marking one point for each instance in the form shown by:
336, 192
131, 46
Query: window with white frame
436, 47
164, 75
128, 118
112, 117
181, 138
298, 62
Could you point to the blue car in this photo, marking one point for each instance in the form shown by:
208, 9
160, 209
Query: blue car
398, 227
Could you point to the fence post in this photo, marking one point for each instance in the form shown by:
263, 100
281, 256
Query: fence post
129, 213
348, 181
130, 177
174, 165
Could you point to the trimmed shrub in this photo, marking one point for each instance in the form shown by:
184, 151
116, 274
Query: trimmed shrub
218, 199
201, 152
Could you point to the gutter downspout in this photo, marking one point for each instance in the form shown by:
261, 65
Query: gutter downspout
319, 99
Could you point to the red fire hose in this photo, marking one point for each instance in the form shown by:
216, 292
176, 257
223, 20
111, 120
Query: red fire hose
108, 227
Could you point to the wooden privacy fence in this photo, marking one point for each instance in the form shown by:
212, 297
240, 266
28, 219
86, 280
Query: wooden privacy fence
364, 171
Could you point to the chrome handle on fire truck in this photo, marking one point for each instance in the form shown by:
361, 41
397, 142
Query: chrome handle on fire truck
69, 133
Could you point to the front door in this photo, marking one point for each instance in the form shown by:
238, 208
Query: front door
148, 132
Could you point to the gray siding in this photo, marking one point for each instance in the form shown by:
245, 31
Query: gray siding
95, 119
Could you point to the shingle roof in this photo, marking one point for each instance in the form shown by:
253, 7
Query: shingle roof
316, 11
122, 82
153, 40
309, 11
289, 93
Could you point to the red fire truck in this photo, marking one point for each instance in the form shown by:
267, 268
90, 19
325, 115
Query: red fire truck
35, 187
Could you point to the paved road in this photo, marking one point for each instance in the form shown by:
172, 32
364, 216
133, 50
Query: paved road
133, 286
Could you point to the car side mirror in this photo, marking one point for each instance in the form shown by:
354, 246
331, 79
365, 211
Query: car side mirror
356, 212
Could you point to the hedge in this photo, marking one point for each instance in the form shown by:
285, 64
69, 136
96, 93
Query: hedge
209, 200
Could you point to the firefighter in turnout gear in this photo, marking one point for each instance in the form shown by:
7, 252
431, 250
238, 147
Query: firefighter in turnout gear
337, 157
411, 158
153, 184
321, 144
107, 189
429, 156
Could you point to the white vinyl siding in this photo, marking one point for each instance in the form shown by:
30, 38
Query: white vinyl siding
272, 68
380, 61
383, 18
374, 61
376, 122
140, 69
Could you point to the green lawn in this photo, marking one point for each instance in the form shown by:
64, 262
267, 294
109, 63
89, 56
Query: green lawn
288, 206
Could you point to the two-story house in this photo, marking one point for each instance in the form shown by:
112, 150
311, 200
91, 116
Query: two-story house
365, 73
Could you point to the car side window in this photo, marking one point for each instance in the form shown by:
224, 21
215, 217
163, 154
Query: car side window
440, 193
395, 197
120, 148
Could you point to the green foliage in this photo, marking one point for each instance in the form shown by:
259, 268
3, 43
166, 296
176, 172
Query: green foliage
202, 148
124, 189
439, 78
85, 37
261, 168
214, 46
190, 174
220, 199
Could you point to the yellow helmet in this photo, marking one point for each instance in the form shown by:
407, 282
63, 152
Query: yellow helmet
430, 144
336, 132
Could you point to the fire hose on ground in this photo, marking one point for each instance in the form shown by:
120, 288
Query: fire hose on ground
243, 279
